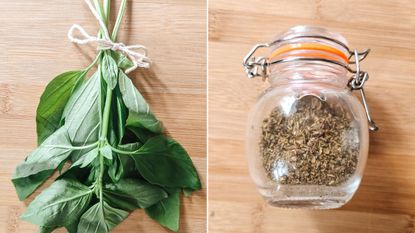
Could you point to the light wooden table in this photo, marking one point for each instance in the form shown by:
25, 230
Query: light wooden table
385, 201
34, 48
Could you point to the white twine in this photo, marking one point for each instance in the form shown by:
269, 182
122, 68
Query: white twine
136, 53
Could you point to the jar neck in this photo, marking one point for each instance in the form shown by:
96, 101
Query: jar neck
308, 72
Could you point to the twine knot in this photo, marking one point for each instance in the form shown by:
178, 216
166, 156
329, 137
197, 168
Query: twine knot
136, 53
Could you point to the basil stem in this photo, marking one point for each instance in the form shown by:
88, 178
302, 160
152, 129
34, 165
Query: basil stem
116, 150
106, 113
118, 20
94, 62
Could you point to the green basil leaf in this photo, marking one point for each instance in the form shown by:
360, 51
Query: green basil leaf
77, 173
142, 134
165, 162
27, 185
72, 227
101, 218
44, 229
82, 113
122, 61
123, 165
52, 102
61, 203
130, 194
116, 170
128, 170
93, 175
167, 211
130, 146
41, 163
60, 168
112, 137
124, 168
106, 152
129, 137
187, 192
109, 71
121, 117
139, 114
86, 159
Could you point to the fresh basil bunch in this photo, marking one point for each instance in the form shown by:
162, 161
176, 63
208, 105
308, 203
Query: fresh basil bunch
120, 159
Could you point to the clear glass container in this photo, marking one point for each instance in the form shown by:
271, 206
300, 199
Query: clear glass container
307, 137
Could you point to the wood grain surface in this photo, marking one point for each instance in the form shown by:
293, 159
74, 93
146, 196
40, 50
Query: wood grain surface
34, 48
385, 201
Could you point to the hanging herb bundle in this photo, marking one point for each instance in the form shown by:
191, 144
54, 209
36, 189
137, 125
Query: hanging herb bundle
119, 158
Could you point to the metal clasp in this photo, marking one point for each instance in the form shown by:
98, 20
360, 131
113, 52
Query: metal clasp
256, 66
357, 82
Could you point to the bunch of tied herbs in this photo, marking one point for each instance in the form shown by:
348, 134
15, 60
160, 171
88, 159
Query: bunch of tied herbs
119, 158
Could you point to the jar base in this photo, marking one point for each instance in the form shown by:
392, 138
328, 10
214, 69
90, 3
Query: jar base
307, 204
309, 196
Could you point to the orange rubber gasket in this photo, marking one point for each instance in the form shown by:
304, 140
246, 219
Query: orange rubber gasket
310, 55
310, 46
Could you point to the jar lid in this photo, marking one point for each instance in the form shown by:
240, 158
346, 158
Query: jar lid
310, 42
304, 43
309, 50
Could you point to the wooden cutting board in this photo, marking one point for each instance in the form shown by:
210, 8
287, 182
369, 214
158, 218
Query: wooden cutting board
34, 48
385, 201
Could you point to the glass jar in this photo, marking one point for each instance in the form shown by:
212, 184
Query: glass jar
307, 137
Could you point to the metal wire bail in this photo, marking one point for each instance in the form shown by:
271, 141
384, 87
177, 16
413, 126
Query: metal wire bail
256, 66
357, 82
